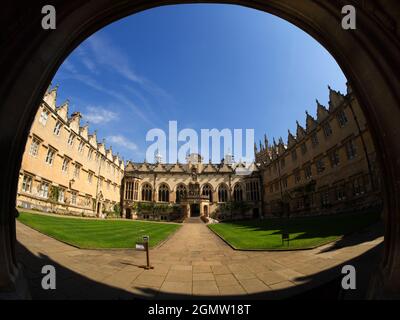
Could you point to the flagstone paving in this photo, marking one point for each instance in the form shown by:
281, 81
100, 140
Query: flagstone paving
193, 262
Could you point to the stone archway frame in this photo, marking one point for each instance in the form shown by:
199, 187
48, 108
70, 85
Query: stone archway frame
368, 56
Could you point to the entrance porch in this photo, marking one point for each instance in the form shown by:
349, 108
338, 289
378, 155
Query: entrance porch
195, 206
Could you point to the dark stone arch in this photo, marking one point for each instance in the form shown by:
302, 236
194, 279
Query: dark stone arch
208, 190
146, 191
181, 191
223, 192
164, 192
368, 56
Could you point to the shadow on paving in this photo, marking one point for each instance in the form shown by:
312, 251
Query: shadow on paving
310, 227
368, 234
354, 238
72, 285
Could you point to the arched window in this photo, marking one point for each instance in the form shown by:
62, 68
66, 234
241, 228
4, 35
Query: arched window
181, 193
252, 190
222, 193
147, 192
237, 193
136, 190
131, 188
163, 193
207, 191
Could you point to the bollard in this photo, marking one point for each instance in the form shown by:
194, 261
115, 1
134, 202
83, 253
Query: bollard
143, 245
146, 245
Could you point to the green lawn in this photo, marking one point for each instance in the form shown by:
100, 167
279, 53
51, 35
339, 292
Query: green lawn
98, 234
304, 232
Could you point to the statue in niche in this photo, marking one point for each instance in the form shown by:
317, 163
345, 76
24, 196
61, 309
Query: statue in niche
194, 174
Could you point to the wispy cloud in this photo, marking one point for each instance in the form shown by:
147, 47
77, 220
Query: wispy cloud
99, 115
108, 54
122, 141
69, 66
118, 95
100, 55
86, 60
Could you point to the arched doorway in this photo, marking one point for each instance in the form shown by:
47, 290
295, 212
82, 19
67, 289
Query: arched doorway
128, 214
371, 72
194, 210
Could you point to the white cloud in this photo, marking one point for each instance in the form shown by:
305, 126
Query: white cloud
68, 65
89, 81
89, 64
108, 54
99, 115
98, 53
122, 142
86, 61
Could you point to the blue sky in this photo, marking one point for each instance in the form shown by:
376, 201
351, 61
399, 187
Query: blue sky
205, 66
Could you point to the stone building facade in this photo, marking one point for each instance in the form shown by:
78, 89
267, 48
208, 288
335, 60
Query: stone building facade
327, 167
190, 189
64, 168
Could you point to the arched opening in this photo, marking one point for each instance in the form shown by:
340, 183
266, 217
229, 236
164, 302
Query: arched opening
194, 210
208, 191
223, 193
163, 193
237, 193
370, 72
147, 192
253, 190
181, 193
128, 214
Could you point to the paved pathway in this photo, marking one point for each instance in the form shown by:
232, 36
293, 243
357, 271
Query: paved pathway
193, 262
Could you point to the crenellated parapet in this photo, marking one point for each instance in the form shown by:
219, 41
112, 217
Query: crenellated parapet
187, 168
50, 97
267, 153
73, 122
62, 111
